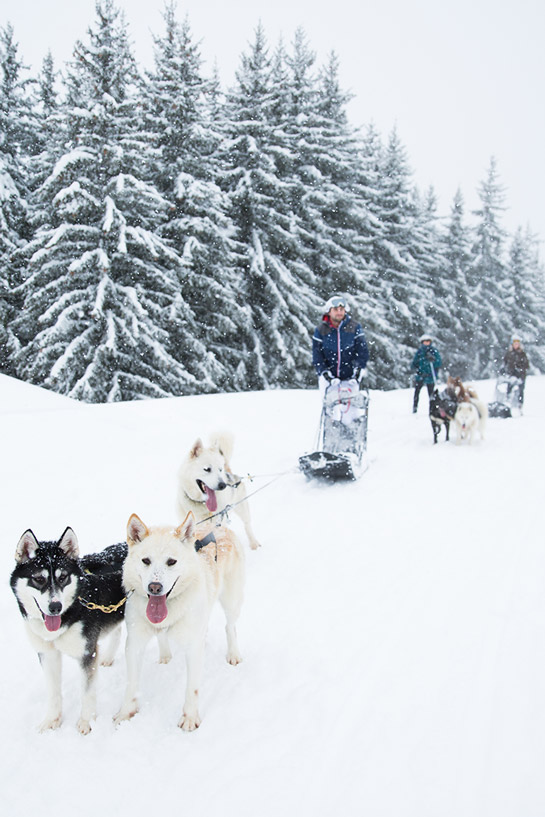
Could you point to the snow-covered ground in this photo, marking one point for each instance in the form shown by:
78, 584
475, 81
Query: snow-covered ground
393, 631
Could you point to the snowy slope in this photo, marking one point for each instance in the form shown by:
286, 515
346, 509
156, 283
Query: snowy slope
393, 630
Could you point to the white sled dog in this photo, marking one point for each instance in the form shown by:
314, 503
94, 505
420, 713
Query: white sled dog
172, 580
207, 485
470, 416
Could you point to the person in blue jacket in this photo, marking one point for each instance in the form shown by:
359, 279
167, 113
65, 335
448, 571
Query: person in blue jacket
339, 348
426, 363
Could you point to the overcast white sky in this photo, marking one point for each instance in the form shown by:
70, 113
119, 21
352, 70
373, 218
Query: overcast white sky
462, 80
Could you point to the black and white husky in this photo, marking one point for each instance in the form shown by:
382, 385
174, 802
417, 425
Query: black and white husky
442, 410
67, 604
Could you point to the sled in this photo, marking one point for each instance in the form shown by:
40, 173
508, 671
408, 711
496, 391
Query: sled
324, 465
342, 437
506, 396
497, 409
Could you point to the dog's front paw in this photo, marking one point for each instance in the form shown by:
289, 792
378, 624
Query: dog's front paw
84, 727
165, 656
189, 722
254, 544
126, 713
234, 658
50, 723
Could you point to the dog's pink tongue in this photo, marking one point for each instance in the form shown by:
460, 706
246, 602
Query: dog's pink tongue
52, 623
157, 610
211, 501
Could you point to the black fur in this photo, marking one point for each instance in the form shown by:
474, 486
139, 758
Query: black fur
110, 560
442, 411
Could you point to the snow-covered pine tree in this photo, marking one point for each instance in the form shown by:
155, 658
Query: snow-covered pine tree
402, 292
51, 134
16, 145
488, 279
180, 108
527, 312
370, 301
257, 156
102, 290
457, 339
345, 208
430, 308
16, 129
318, 132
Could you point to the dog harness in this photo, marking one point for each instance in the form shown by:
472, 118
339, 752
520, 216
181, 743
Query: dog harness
201, 543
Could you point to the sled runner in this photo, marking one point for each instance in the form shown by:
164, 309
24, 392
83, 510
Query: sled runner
342, 436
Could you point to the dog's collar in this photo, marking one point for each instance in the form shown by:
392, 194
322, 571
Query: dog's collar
199, 501
105, 608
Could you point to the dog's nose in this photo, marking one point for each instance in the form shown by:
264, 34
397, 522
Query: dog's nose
155, 589
55, 608
222, 486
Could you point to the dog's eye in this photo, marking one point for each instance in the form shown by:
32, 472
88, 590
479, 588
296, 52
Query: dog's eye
63, 579
146, 561
38, 581
171, 562
207, 469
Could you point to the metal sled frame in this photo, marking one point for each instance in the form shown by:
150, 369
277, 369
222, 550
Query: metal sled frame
341, 447
507, 391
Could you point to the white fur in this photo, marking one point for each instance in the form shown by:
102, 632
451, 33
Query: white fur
470, 416
210, 465
191, 581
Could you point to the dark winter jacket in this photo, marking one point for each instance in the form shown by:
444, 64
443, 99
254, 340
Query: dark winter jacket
516, 363
340, 351
424, 359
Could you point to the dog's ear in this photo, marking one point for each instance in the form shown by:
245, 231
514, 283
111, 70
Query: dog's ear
69, 543
215, 445
196, 449
187, 529
222, 441
26, 547
136, 530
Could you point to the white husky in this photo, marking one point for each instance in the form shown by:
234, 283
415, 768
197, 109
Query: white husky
470, 416
172, 580
206, 484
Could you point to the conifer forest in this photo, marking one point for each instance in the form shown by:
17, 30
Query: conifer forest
162, 235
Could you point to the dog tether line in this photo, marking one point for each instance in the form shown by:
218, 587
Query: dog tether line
225, 511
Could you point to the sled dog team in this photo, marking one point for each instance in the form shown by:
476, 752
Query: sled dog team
459, 404
163, 582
